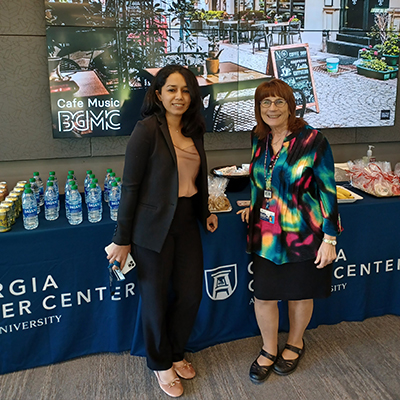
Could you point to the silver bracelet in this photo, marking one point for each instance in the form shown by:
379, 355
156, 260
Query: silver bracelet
329, 241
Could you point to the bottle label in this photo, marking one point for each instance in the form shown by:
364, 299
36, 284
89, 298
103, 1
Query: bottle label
114, 205
94, 207
75, 208
49, 204
29, 212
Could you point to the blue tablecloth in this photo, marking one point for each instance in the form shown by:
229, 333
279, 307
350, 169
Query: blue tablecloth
55, 304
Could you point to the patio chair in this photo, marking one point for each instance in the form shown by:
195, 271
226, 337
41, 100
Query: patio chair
243, 32
294, 30
259, 33
276, 30
67, 64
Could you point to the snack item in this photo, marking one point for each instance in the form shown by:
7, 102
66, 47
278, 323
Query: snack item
220, 203
233, 170
217, 200
342, 193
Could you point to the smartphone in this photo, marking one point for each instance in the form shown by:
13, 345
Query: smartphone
129, 264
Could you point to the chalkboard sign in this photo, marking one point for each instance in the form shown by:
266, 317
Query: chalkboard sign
292, 64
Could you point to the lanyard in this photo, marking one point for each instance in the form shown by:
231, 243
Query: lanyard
269, 171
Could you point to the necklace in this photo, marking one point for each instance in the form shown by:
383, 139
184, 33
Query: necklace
176, 130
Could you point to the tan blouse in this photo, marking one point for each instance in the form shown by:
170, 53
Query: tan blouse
188, 168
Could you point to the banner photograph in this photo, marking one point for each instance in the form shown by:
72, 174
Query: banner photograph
103, 55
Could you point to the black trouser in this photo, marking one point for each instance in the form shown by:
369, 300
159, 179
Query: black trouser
168, 315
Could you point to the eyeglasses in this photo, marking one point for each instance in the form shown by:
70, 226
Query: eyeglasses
267, 103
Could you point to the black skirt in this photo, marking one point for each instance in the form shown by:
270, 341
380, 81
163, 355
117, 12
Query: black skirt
291, 281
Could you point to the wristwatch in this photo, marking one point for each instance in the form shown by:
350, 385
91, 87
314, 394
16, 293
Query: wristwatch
329, 241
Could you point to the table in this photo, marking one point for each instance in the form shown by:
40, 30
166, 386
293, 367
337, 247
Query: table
217, 88
89, 84
282, 32
55, 305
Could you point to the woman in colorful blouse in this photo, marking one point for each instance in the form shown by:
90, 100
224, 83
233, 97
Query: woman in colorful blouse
293, 224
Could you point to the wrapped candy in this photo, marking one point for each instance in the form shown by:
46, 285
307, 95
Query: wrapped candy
375, 178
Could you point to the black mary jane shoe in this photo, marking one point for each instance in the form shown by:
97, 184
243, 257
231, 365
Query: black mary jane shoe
259, 373
285, 367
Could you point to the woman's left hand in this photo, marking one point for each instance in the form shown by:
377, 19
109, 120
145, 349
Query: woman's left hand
326, 255
212, 223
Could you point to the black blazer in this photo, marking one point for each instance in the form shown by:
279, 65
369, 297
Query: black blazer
150, 186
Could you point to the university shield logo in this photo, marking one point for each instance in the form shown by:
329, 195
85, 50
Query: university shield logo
221, 282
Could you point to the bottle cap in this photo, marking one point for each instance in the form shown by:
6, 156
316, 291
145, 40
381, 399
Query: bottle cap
95, 180
71, 172
52, 173
89, 171
74, 187
32, 180
36, 173
117, 179
51, 178
114, 184
50, 183
92, 176
27, 186
109, 170
92, 186
112, 174
72, 182
27, 190
70, 177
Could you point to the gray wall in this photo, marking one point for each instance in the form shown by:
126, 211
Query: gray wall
26, 142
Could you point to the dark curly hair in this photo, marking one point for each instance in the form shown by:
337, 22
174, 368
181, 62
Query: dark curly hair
192, 120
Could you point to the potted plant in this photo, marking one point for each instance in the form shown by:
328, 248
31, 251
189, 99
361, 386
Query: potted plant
370, 53
377, 68
390, 49
196, 20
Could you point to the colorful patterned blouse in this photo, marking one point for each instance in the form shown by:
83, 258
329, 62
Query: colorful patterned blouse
303, 198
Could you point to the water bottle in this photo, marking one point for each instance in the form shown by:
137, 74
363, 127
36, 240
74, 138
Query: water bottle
51, 212
70, 181
93, 204
56, 188
39, 184
55, 180
119, 181
91, 177
75, 206
35, 190
114, 198
86, 184
106, 179
72, 172
111, 179
53, 174
99, 193
29, 210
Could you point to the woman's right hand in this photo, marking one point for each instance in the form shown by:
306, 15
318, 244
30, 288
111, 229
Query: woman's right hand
118, 253
244, 214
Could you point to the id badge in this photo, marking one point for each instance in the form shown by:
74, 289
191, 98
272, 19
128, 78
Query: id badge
267, 194
267, 215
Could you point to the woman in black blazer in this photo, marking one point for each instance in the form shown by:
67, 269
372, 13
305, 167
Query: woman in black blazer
164, 193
